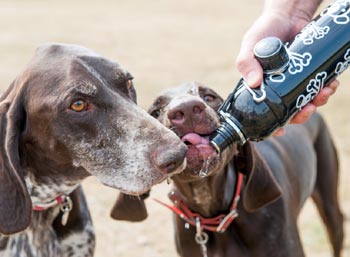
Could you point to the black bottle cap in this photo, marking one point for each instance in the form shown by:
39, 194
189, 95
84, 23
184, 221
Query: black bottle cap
272, 55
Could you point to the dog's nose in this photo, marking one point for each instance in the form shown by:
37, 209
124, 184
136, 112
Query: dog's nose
168, 158
187, 113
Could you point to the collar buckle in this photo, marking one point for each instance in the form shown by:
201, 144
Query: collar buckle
66, 207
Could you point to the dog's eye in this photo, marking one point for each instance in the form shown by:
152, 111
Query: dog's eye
129, 84
79, 106
208, 98
155, 113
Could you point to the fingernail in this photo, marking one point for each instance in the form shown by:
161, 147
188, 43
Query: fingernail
252, 79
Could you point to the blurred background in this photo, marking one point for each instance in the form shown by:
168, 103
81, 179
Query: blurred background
163, 43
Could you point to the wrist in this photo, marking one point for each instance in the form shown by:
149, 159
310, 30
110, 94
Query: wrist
293, 15
292, 9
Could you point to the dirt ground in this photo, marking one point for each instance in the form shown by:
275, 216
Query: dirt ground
163, 43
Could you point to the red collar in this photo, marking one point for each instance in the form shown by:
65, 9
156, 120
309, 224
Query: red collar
64, 200
44, 206
216, 224
65, 203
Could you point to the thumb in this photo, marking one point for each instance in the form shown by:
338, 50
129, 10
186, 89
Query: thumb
249, 67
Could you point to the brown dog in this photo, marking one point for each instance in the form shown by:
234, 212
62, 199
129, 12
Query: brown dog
280, 173
71, 114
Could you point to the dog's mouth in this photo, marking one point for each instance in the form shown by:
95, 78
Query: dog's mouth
199, 153
200, 143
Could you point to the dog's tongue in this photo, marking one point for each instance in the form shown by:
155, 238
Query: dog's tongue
201, 143
195, 139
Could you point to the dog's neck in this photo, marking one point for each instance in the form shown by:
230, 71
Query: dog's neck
209, 196
39, 233
45, 191
47, 179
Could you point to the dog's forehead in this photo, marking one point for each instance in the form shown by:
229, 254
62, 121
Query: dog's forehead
184, 89
57, 53
59, 69
63, 49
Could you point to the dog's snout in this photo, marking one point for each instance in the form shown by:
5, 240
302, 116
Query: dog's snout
169, 158
185, 112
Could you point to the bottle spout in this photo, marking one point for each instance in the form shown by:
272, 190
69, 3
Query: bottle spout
224, 136
214, 143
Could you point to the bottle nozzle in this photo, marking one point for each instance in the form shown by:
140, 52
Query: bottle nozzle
227, 134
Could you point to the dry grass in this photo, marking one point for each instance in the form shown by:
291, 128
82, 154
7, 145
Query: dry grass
163, 43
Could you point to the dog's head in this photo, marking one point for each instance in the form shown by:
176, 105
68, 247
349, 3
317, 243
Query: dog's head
72, 113
190, 110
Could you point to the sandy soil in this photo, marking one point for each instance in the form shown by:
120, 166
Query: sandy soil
163, 43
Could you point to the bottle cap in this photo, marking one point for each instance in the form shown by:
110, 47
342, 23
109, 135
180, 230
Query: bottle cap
272, 55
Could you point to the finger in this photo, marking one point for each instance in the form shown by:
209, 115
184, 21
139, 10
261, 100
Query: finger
280, 132
325, 93
250, 69
334, 85
304, 114
322, 97
247, 65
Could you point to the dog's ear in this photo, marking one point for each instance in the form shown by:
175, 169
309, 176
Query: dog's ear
130, 208
261, 187
15, 203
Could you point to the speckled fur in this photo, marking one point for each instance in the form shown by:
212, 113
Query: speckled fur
109, 163
40, 240
47, 148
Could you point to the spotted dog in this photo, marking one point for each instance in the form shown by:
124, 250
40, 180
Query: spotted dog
70, 114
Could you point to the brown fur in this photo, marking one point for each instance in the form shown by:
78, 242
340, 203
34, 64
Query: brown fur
281, 173
48, 147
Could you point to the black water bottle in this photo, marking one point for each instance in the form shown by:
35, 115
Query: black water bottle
293, 75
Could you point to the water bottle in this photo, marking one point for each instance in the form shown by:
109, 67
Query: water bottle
293, 75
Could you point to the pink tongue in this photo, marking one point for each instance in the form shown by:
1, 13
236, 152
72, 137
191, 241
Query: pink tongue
201, 143
195, 139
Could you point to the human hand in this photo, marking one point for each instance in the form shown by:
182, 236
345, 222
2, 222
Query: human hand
287, 27
265, 26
